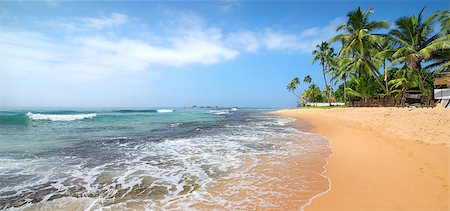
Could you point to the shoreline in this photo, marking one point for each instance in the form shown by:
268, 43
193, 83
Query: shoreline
373, 168
323, 174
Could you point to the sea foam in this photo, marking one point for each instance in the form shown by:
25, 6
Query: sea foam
165, 110
219, 112
60, 117
177, 172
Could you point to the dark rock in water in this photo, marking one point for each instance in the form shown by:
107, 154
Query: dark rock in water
33, 196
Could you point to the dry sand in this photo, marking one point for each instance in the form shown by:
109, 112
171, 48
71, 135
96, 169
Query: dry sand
383, 158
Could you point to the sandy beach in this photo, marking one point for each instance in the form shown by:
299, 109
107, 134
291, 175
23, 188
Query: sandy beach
383, 158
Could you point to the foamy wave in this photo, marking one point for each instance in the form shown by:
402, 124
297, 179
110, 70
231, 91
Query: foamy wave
165, 110
173, 174
177, 124
60, 117
219, 112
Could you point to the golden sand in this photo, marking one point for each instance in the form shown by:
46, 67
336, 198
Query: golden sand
383, 158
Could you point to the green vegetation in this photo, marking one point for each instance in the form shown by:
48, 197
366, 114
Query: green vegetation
373, 65
321, 107
325, 54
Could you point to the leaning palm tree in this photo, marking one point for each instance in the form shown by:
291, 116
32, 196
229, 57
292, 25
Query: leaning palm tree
292, 86
358, 42
416, 44
323, 53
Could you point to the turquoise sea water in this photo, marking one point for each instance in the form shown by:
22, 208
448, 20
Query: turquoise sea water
137, 158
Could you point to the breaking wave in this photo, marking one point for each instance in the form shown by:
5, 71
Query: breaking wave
60, 117
146, 111
165, 110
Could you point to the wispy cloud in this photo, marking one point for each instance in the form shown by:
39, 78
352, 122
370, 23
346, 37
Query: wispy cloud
97, 55
188, 41
89, 23
303, 42
245, 40
282, 41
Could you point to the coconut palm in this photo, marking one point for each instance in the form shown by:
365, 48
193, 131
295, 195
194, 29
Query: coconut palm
323, 54
385, 53
405, 79
313, 94
441, 61
307, 79
415, 43
365, 88
444, 19
292, 86
441, 58
342, 72
358, 42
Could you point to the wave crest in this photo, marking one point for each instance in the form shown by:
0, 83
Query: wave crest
165, 110
60, 117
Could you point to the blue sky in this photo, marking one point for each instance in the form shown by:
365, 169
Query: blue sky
168, 54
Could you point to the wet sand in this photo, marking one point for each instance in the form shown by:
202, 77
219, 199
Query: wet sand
383, 158
283, 181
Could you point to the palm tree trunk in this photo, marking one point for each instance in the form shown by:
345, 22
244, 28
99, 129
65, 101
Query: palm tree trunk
379, 82
421, 84
386, 85
377, 77
345, 92
326, 84
385, 77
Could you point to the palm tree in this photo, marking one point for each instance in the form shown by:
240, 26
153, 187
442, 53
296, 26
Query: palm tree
415, 43
342, 72
365, 88
385, 53
358, 42
444, 18
405, 79
313, 93
441, 58
292, 86
441, 61
307, 79
323, 53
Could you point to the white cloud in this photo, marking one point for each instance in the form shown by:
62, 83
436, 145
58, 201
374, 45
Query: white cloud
279, 40
91, 57
303, 42
276, 40
187, 41
244, 40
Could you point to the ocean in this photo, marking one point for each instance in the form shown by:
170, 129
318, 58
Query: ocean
157, 159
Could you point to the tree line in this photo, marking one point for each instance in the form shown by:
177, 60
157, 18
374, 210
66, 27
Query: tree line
373, 65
